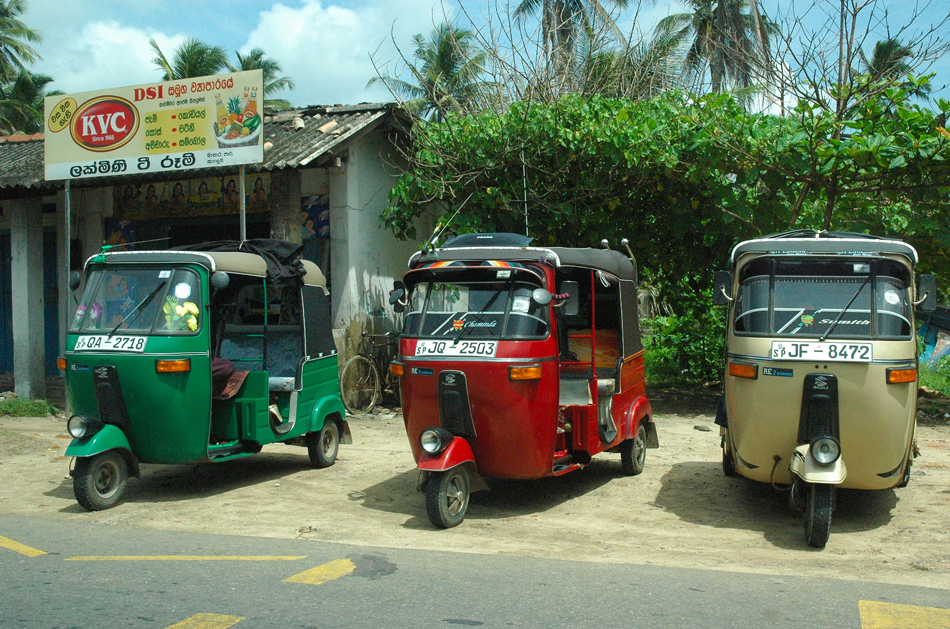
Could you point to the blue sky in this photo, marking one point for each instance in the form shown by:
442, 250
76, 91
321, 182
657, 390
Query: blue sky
323, 45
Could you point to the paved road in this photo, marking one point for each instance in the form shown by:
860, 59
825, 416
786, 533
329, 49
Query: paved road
61, 574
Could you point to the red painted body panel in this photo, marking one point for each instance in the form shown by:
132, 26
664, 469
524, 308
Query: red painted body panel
456, 454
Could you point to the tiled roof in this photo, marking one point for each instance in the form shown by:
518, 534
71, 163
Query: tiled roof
292, 139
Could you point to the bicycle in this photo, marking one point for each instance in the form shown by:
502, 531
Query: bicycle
366, 376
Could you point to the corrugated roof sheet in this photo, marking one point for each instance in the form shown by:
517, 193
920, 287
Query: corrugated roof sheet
292, 139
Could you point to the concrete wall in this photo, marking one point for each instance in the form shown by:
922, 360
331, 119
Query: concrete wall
365, 257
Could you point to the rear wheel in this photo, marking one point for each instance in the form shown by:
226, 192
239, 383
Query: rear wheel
359, 384
447, 495
633, 453
820, 502
323, 446
98, 481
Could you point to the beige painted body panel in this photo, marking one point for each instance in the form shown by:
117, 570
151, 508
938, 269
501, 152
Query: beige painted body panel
876, 419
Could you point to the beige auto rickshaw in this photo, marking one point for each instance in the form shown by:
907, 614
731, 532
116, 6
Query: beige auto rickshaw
821, 365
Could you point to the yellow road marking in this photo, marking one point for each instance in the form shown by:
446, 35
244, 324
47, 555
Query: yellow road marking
875, 615
20, 548
184, 558
324, 573
207, 621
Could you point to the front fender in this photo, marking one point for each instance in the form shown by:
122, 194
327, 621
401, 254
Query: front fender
109, 438
808, 470
458, 453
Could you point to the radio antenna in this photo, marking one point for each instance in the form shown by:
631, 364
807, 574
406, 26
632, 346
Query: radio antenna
436, 234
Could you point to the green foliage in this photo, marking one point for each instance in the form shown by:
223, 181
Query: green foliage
936, 376
18, 407
687, 347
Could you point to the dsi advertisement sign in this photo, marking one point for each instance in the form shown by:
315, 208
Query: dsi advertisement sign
172, 126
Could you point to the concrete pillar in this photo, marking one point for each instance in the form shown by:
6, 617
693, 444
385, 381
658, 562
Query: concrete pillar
26, 269
285, 221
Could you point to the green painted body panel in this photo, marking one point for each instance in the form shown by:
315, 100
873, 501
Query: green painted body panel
109, 438
172, 418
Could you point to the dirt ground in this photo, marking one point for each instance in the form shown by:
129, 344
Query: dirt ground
681, 512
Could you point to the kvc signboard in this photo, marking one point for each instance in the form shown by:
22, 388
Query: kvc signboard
177, 125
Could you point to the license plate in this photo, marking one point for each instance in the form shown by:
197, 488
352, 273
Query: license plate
484, 349
98, 343
836, 352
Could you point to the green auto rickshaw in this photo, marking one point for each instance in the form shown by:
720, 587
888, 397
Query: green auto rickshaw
204, 354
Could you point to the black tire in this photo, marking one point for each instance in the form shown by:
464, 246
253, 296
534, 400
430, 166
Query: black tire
820, 502
728, 464
633, 453
98, 481
447, 495
324, 445
359, 385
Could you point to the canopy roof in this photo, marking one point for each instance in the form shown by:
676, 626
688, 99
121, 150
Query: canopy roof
606, 260
806, 242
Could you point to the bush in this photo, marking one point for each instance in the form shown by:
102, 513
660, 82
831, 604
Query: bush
17, 407
686, 348
936, 376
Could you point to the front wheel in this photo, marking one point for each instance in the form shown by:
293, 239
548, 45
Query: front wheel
633, 453
447, 495
359, 384
820, 502
98, 481
324, 445
728, 464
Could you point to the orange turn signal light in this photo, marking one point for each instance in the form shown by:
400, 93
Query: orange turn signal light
397, 369
61, 364
531, 372
897, 376
744, 370
173, 366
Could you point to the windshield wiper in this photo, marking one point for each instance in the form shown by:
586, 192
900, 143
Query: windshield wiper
136, 309
843, 310
481, 314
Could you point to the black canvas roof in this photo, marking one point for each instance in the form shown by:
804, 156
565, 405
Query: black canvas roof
807, 241
606, 260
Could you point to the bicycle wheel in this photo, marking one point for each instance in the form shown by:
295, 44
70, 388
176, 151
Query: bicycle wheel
392, 387
359, 385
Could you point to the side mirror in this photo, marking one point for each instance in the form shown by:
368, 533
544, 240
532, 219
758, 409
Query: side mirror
75, 279
541, 296
220, 279
927, 293
398, 298
573, 304
722, 287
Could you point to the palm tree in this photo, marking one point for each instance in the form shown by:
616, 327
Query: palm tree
729, 37
446, 75
15, 53
889, 64
273, 82
21, 106
192, 59
562, 21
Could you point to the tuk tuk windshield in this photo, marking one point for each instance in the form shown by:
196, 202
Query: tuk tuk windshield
815, 298
140, 300
476, 309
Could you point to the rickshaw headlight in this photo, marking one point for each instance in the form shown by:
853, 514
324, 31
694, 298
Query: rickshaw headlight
825, 450
435, 440
80, 426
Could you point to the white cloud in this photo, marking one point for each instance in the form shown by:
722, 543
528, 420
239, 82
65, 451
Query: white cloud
326, 49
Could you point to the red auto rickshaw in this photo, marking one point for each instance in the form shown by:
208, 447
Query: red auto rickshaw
518, 362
